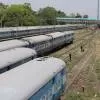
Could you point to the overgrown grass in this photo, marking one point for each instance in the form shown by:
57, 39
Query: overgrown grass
81, 96
89, 81
74, 96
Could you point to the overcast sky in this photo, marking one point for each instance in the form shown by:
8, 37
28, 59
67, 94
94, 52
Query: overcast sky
68, 6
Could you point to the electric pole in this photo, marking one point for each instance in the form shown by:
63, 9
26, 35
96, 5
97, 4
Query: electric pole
98, 10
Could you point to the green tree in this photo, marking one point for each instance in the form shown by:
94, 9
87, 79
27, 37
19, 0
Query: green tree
78, 15
23, 15
61, 14
48, 15
3, 8
19, 15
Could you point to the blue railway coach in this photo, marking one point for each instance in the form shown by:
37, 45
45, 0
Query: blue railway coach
40, 79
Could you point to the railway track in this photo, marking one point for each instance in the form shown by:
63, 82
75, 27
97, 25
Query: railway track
74, 73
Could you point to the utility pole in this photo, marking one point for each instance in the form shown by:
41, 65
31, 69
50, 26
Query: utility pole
98, 10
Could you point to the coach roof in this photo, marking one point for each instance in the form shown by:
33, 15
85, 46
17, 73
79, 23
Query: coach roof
22, 82
68, 32
57, 34
14, 55
12, 44
37, 39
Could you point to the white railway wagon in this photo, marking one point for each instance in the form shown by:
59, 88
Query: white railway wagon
39, 79
15, 57
41, 43
5, 45
58, 39
13, 32
49, 42
69, 36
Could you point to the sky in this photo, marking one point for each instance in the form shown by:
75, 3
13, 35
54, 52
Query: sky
68, 6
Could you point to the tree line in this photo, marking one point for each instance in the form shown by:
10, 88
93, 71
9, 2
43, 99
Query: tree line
23, 15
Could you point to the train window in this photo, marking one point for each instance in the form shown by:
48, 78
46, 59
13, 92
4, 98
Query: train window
36, 47
32, 45
43, 45
47, 44
19, 63
62, 72
53, 80
50, 95
40, 46
32, 57
43, 98
27, 59
60, 82
8, 68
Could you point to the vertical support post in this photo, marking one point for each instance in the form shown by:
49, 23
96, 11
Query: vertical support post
98, 10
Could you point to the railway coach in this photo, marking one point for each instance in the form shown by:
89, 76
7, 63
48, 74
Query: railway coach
15, 57
10, 44
42, 43
58, 39
69, 36
16, 32
40, 79
49, 42
46, 43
